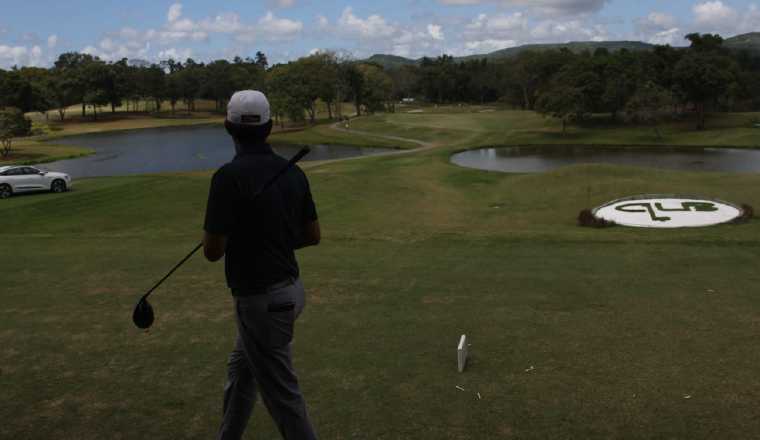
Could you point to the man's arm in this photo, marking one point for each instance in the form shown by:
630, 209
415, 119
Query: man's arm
311, 236
214, 246
220, 215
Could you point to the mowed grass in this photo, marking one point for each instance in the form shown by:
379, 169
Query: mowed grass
481, 127
576, 333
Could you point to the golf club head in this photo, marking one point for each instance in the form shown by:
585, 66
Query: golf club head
143, 314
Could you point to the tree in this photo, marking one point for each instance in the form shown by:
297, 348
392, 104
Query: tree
98, 82
118, 84
12, 124
23, 89
154, 84
701, 78
647, 106
281, 87
173, 92
73, 64
189, 81
261, 60
620, 73
533, 71
573, 94
705, 42
377, 91
352, 77
564, 102
322, 82
62, 92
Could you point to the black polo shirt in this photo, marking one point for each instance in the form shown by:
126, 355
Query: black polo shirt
261, 234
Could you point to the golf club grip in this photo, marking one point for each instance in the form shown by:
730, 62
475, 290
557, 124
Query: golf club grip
303, 152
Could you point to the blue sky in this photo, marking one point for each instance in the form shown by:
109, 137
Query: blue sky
35, 32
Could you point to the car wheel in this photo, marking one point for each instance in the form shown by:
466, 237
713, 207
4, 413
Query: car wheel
5, 191
58, 186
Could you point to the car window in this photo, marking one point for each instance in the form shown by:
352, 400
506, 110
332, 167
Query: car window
28, 171
13, 172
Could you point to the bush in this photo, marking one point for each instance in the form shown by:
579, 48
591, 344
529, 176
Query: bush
13, 123
748, 213
588, 219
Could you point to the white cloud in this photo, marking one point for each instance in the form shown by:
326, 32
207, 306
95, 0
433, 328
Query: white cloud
179, 30
269, 28
670, 36
285, 3
20, 56
322, 22
716, 16
279, 28
372, 27
175, 12
545, 7
52, 41
222, 23
567, 31
661, 20
175, 54
658, 28
498, 26
435, 32
489, 45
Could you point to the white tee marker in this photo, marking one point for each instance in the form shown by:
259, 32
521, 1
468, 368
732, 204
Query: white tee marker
462, 353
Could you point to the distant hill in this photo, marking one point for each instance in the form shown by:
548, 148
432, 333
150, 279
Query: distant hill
394, 61
391, 61
575, 46
749, 41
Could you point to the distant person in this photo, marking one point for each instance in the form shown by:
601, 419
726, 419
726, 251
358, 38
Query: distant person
258, 240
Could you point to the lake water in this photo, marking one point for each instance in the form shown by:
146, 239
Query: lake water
158, 150
546, 158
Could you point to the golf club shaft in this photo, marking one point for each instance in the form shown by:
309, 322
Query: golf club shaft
303, 152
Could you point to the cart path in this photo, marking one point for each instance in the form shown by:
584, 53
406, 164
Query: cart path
423, 146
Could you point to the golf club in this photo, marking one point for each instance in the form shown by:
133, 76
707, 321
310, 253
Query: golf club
143, 314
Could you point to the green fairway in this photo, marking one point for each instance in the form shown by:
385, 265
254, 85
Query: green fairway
576, 333
516, 127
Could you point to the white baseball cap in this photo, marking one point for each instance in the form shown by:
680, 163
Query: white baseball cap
248, 107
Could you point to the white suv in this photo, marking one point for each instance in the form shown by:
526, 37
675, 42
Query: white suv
18, 179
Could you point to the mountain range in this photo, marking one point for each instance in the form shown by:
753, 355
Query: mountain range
749, 42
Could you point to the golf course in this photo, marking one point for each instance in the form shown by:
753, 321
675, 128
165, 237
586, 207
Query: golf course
575, 333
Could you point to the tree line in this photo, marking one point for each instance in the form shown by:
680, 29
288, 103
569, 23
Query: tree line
78, 79
636, 85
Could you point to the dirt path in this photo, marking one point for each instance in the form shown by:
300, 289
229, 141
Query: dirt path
423, 146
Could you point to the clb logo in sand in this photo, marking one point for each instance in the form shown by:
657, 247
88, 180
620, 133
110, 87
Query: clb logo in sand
668, 212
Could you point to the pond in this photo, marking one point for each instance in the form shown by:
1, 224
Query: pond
173, 149
536, 159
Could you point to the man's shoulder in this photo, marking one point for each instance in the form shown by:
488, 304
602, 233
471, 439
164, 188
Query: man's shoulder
226, 170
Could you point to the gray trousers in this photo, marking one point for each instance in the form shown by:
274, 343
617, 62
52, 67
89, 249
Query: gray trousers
261, 363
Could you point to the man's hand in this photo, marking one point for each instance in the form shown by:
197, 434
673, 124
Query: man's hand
312, 235
214, 246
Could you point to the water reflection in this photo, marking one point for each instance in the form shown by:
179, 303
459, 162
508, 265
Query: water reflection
534, 159
171, 150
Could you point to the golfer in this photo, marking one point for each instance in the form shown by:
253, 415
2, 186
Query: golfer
258, 240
